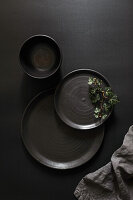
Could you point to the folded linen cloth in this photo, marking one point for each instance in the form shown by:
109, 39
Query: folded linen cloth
114, 181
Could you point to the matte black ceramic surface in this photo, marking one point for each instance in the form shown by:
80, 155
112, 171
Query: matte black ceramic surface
53, 143
40, 56
96, 33
72, 102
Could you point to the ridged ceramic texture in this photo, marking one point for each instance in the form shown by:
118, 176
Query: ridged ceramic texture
52, 142
72, 102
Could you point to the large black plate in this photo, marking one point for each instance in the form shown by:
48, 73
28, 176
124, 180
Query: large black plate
52, 142
72, 102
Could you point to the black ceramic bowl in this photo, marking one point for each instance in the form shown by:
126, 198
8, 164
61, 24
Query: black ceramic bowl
40, 56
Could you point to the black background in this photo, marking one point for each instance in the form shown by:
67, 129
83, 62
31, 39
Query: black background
95, 34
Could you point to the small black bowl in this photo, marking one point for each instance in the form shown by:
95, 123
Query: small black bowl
40, 56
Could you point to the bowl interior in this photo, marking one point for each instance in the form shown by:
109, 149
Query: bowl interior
40, 56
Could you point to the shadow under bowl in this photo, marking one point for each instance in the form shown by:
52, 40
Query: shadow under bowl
40, 56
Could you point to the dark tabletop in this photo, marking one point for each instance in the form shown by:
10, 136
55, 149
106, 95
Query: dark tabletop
94, 34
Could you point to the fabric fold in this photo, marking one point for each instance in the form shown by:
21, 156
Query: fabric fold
112, 181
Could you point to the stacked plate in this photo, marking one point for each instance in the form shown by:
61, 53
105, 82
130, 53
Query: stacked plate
58, 126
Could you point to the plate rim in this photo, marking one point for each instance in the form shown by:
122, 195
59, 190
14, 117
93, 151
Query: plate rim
69, 123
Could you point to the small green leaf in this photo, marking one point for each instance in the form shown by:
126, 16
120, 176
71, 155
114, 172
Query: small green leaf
94, 101
97, 110
106, 107
108, 91
96, 116
90, 81
99, 82
114, 100
97, 97
93, 90
104, 116
99, 89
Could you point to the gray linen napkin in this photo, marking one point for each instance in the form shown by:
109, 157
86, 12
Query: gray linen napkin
114, 181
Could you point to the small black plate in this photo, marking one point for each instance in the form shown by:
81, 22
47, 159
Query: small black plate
72, 102
40, 56
53, 143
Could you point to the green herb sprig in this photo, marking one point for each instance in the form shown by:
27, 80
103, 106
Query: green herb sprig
101, 97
